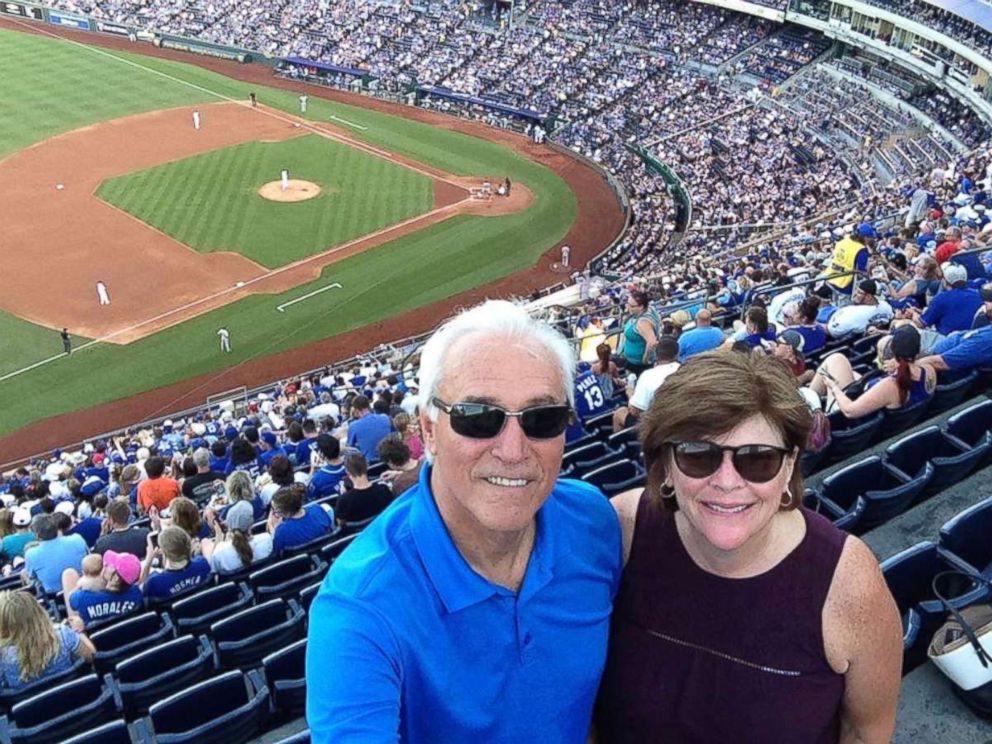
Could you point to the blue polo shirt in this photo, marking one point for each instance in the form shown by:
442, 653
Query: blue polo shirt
952, 310
408, 643
366, 433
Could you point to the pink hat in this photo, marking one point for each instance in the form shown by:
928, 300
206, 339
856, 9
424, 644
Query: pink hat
127, 566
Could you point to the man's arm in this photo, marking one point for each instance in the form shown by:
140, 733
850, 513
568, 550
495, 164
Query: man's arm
934, 361
353, 672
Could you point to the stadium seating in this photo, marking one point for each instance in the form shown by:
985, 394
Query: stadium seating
58, 713
577, 462
197, 613
616, 477
245, 638
965, 539
115, 732
286, 578
332, 550
951, 458
949, 394
129, 637
153, 675
10, 697
284, 672
231, 707
849, 437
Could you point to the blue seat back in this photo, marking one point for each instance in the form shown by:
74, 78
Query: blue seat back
968, 535
63, 711
158, 672
197, 613
229, 708
972, 424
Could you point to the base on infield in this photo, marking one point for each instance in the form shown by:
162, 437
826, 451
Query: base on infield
296, 191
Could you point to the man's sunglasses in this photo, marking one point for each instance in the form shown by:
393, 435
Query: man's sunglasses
484, 421
757, 463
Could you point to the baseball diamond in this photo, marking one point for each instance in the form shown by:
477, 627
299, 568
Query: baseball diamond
139, 187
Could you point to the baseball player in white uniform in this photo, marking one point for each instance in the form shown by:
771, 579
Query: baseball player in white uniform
196, 120
304, 100
225, 339
566, 254
102, 293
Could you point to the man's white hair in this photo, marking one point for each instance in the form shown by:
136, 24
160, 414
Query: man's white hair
493, 319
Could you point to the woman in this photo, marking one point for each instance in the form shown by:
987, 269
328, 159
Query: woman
184, 513
108, 587
181, 571
740, 613
606, 371
6, 523
640, 333
905, 383
925, 282
411, 437
31, 646
233, 546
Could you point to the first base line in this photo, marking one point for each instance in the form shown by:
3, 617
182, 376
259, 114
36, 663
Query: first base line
349, 123
282, 308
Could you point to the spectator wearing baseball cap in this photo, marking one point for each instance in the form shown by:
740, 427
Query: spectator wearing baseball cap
865, 309
648, 383
270, 447
12, 547
788, 348
108, 588
954, 307
233, 546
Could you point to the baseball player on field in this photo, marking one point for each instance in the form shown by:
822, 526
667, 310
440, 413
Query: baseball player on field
196, 120
66, 341
304, 100
102, 293
225, 338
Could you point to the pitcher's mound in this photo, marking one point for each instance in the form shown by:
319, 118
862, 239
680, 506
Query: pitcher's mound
296, 191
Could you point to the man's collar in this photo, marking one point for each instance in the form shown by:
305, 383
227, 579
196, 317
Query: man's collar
458, 585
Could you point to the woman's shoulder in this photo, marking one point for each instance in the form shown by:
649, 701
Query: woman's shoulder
626, 505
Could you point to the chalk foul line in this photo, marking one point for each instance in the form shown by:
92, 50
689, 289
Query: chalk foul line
282, 308
348, 123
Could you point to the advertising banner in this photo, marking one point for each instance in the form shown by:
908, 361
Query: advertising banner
23, 11
68, 21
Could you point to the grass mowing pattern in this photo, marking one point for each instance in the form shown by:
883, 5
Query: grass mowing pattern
433, 264
209, 201
23, 343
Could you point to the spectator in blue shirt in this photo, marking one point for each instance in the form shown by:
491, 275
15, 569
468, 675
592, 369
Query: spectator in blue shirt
367, 428
305, 448
962, 351
476, 607
327, 468
290, 524
46, 561
181, 573
704, 337
954, 307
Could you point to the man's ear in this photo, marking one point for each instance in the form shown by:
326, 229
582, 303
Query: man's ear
428, 429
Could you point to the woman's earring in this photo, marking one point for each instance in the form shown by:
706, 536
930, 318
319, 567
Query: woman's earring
787, 498
667, 491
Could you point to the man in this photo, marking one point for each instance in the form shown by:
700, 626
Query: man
102, 293
865, 309
157, 489
951, 309
118, 534
368, 427
304, 100
704, 337
983, 317
269, 448
850, 254
476, 607
206, 483
404, 470
196, 120
225, 339
364, 499
950, 246
327, 470
962, 351
66, 341
54, 553
647, 384
291, 524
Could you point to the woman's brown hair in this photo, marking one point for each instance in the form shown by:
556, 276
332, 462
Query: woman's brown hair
714, 392
186, 515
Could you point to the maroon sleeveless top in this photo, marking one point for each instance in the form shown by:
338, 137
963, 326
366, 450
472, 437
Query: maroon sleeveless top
695, 657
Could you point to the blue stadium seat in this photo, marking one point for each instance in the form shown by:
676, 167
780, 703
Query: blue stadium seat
60, 712
332, 550
285, 676
896, 420
966, 539
886, 492
972, 424
582, 460
129, 637
951, 458
909, 576
310, 548
115, 732
244, 639
9, 698
620, 440
617, 477
197, 613
352, 528
286, 578
849, 437
306, 596
301, 737
229, 708
947, 395
153, 675
600, 425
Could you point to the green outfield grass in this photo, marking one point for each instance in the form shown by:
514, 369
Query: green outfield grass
210, 201
50, 86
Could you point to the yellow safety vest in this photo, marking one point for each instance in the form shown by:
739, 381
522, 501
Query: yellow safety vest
845, 255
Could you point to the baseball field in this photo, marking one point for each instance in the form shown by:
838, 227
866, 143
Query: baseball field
104, 177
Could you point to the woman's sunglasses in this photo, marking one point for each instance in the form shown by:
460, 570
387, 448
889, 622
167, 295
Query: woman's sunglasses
757, 463
484, 421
